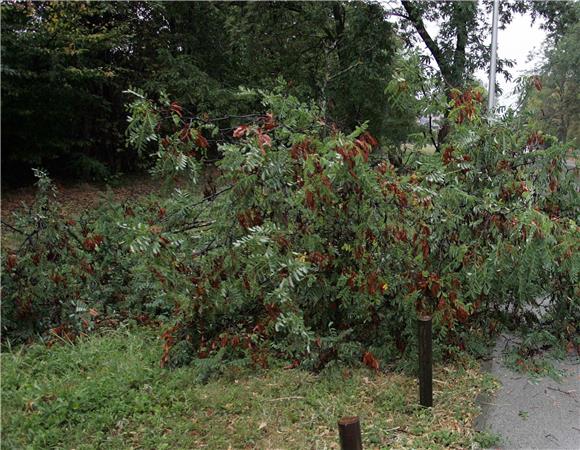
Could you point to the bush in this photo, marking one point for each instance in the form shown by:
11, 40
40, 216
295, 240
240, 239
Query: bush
70, 274
314, 251
310, 249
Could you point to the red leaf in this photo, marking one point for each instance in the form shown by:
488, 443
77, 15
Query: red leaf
270, 122
169, 339
435, 287
425, 247
201, 141
310, 200
293, 365
372, 284
447, 155
11, 261
184, 134
461, 314
176, 108
370, 139
240, 131
89, 244
370, 361
264, 141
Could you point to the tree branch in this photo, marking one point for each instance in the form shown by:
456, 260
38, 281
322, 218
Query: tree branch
13, 228
417, 21
343, 71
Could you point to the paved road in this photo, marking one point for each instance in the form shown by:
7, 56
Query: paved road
533, 414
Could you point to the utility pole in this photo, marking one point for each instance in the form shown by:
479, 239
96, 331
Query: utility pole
493, 64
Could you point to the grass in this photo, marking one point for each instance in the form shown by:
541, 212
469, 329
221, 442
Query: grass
108, 391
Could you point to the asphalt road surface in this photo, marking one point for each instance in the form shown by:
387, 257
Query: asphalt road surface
533, 413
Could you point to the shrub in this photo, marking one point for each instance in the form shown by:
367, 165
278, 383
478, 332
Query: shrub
67, 275
309, 249
316, 251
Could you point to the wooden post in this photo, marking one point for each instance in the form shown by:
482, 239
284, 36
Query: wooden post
349, 432
425, 362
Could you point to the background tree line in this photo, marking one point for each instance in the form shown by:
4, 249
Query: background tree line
66, 65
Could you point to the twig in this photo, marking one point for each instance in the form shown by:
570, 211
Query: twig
203, 200
13, 228
295, 397
352, 66
74, 236
408, 432
194, 226
206, 249
437, 149
570, 393
29, 238
211, 197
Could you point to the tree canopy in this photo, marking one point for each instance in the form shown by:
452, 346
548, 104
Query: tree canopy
556, 95
65, 66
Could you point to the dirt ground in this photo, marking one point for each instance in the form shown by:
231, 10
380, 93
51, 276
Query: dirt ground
75, 197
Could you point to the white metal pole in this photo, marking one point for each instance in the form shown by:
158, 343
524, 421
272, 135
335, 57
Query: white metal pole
493, 64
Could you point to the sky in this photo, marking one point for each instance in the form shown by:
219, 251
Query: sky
518, 41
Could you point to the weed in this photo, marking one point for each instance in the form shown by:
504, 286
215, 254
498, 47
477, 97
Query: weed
487, 439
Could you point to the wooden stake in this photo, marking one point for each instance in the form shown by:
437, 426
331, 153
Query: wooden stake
425, 362
349, 432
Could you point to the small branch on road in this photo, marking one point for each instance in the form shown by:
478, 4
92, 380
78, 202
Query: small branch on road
570, 393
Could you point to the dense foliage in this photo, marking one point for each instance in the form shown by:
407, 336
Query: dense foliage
312, 246
65, 66
556, 101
